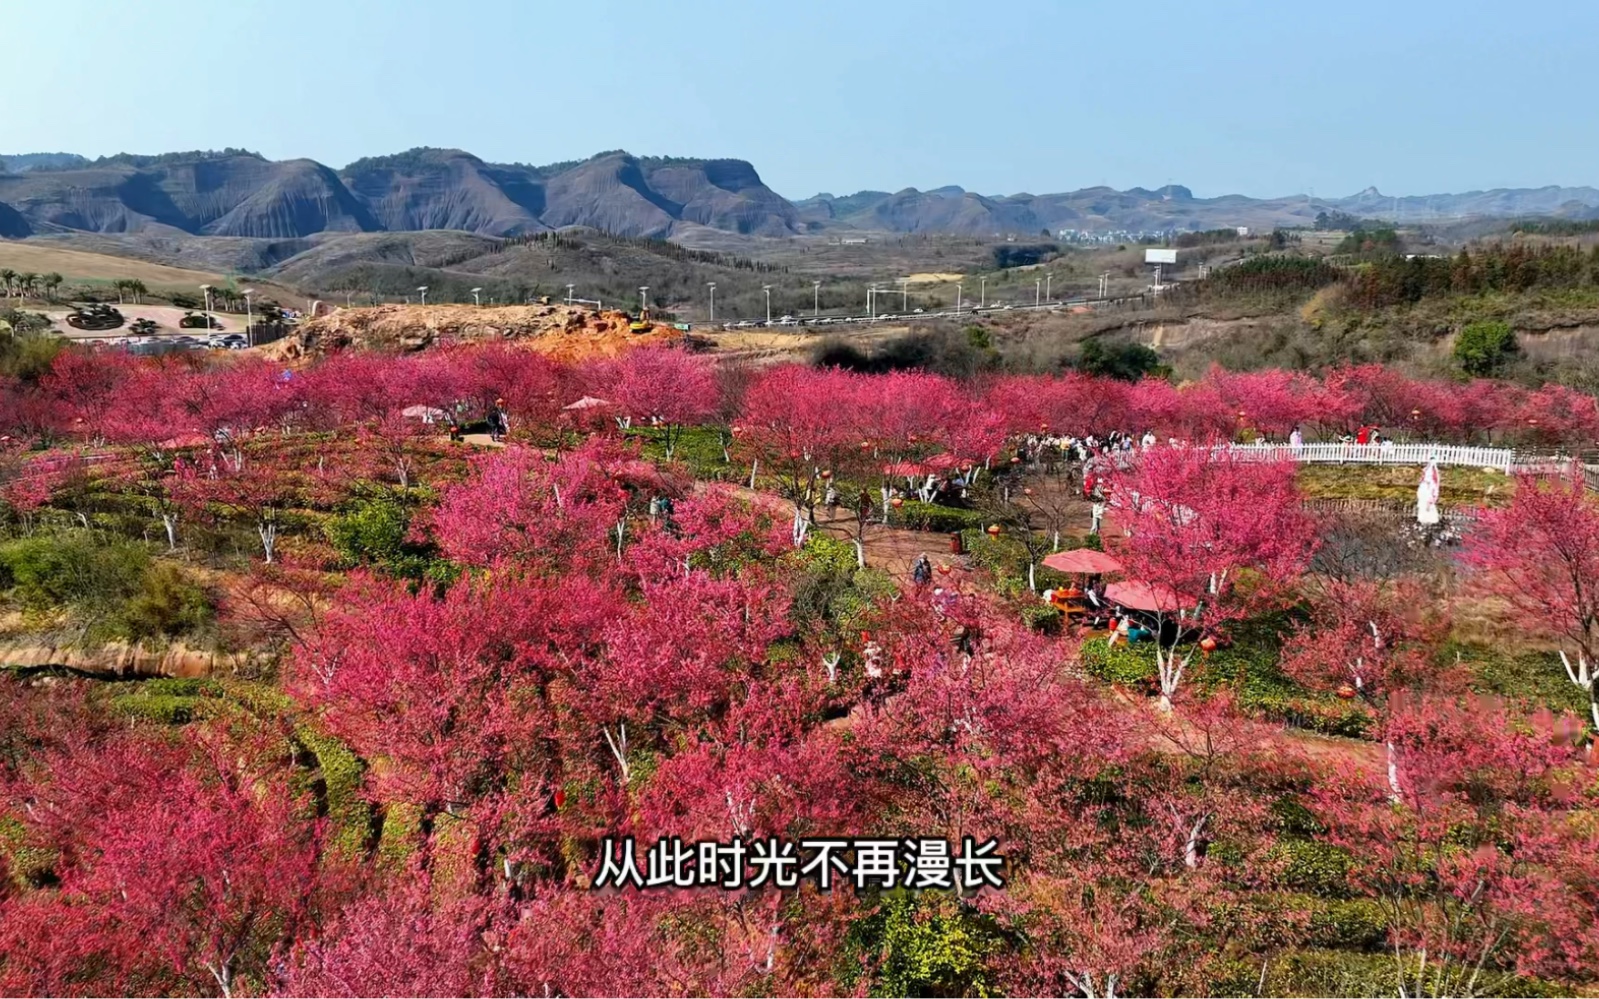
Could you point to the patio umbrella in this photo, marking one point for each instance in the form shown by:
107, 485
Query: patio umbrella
1139, 594
1083, 560
587, 402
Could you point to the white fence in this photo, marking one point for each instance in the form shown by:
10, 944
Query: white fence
1503, 459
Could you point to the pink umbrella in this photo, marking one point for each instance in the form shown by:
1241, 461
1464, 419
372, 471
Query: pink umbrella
1138, 594
587, 402
1083, 560
905, 468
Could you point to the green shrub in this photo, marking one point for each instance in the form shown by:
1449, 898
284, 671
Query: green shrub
919, 516
1314, 971
1121, 663
167, 604
922, 945
1314, 868
1349, 924
1483, 347
159, 708
73, 568
342, 773
1043, 618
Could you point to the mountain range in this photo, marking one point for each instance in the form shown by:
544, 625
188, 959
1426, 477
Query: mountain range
242, 194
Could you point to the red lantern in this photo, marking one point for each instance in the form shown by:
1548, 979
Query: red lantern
994, 530
1208, 644
794, 455
827, 473
737, 430
866, 445
1346, 691
896, 502
943, 569
560, 797
1016, 459
1028, 491
911, 438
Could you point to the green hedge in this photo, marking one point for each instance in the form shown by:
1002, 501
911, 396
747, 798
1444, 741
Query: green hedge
1249, 670
918, 516
1314, 868
342, 774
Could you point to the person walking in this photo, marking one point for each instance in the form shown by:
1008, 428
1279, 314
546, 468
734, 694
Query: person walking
922, 570
499, 422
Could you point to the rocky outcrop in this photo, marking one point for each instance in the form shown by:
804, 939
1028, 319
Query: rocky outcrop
114, 660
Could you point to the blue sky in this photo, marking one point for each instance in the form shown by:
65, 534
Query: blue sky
1225, 96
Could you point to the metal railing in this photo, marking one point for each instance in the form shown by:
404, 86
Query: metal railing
1500, 458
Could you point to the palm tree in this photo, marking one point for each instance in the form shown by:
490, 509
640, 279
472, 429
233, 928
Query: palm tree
121, 285
137, 287
7, 275
25, 283
52, 281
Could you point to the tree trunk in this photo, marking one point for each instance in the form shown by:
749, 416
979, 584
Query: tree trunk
269, 538
170, 522
1394, 791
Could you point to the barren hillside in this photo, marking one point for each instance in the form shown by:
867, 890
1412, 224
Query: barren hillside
563, 331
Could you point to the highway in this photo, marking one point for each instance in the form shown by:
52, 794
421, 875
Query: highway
889, 317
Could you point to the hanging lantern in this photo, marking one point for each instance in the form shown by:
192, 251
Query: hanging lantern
896, 502
1043, 428
737, 430
911, 438
866, 445
1240, 414
827, 473
994, 530
1415, 414
1346, 690
1028, 491
1208, 644
1016, 459
560, 797
943, 568
794, 455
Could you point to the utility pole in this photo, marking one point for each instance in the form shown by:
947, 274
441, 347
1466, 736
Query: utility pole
1038, 292
643, 300
816, 298
207, 289
1048, 296
569, 293
982, 292
768, 289
712, 285
904, 296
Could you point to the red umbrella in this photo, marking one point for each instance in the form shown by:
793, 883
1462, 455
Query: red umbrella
905, 468
1140, 595
1083, 560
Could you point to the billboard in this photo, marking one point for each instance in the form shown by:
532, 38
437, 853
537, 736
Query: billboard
1160, 256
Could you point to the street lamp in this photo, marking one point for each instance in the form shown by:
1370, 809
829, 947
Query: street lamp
871, 302
982, 292
1038, 292
816, 297
569, 293
957, 298
712, 285
643, 300
768, 289
475, 300
207, 290
1047, 294
249, 316
422, 289
904, 296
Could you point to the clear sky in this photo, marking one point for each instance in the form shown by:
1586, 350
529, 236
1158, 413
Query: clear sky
1226, 96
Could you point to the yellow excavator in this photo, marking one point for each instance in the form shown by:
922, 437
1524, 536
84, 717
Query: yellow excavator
642, 324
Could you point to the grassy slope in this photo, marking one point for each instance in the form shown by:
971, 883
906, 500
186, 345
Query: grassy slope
79, 266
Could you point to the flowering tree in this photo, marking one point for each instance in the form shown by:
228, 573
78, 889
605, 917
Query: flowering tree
181, 864
1216, 536
671, 388
1372, 642
1540, 554
1476, 864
